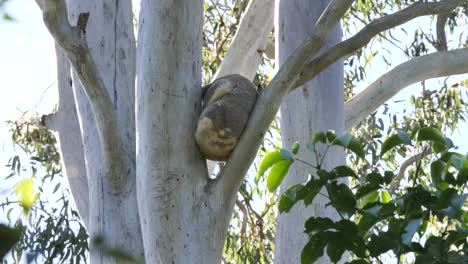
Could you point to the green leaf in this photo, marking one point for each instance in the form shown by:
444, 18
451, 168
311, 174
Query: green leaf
343, 140
331, 136
342, 198
358, 261
318, 137
277, 173
438, 147
430, 134
289, 198
457, 161
9, 237
381, 243
315, 224
344, 171
368, 199
385, 197
335, 249
438, 171
313, 250
268, 161
295, 148
349, 142
365, 223
395, 140
313, 187
286, 154
27, 196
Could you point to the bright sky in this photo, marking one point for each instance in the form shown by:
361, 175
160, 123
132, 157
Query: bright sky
27, 70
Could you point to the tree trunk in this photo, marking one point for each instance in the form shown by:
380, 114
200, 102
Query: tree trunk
316, 106
183, 215
113, 216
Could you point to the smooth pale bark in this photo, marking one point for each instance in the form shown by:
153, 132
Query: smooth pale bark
183, 217
65, 123
434, 65
112, 215
250, 42
316, 106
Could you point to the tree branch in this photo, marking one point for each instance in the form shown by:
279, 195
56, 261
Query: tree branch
249, 43
353, 44
73, 42
441, 42
434, 65
269, 101
401, 173
65, 122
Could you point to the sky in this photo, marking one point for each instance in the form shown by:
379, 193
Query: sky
27, 70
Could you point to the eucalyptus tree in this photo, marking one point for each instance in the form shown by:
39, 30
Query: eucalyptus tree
128, 110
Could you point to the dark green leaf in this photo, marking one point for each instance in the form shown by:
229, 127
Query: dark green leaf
295, 148
318, 137
381, 243
315, 224
358, 261
313, 250
344, 171
430, 134
347, 141
331, 136
438, 170
335, 248
393, 141
366, 222
313, 187
342, 198
289, 198
9, 237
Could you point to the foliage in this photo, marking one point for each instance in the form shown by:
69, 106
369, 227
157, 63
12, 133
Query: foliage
428, 219
51, 230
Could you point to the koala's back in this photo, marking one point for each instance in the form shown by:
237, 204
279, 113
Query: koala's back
227, 103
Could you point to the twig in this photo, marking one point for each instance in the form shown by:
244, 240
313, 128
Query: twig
401, 173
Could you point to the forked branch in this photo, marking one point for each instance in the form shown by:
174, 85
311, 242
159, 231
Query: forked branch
72, 39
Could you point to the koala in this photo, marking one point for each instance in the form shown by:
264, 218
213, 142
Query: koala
227, 103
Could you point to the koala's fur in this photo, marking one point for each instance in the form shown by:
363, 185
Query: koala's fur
227, 103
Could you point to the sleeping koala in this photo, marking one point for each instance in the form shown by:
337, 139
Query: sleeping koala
227, 103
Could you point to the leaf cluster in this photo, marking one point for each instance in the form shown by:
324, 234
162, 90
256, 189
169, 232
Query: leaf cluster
46, 231
373, 219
